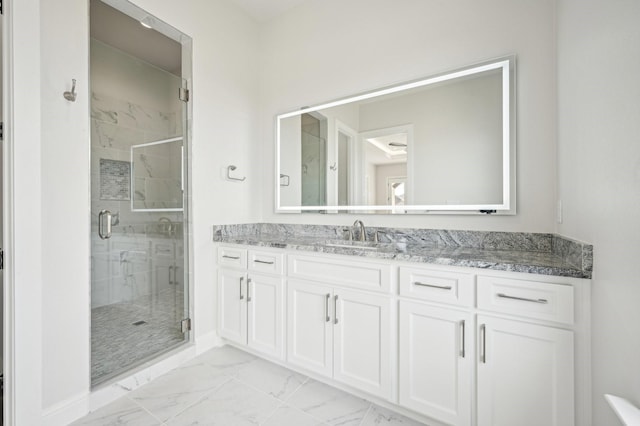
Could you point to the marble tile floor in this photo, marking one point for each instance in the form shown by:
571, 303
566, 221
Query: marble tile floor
117, 343
229, 387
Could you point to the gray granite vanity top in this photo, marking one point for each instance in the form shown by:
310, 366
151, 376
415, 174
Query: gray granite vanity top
545, 254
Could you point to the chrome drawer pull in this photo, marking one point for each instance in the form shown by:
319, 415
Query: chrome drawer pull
263, 261
462, 335
441, 287
483, 344
326, 308
506, 296
231, 257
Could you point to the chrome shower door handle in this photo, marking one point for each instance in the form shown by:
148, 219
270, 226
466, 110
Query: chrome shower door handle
104, 214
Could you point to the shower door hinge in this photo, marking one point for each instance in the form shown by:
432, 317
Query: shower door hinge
183, 94
185, 325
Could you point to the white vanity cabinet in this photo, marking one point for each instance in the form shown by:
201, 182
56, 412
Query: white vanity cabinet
436, 343
525, 374
250, 308
526, 362
448, 345
338, 331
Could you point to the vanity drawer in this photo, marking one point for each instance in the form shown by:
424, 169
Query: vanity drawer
533, 299
266, 261
437, 286
375, 276
233, 257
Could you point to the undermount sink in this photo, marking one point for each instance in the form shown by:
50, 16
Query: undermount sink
361, 245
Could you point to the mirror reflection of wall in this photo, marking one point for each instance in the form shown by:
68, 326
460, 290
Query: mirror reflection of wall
344, 141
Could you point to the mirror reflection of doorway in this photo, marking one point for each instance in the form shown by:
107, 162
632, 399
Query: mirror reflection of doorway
396, 191
139, 243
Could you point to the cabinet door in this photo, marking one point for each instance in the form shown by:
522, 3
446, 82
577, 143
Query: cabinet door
362, 341
525, 374
264, 304
309, 326
436, 358
232, 306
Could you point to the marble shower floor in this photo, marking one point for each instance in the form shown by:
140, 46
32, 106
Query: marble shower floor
117, 343
229, 387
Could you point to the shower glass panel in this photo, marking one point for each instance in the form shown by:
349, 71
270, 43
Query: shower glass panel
139, 235
314, 160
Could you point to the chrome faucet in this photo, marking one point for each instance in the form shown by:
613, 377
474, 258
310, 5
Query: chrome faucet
363, 233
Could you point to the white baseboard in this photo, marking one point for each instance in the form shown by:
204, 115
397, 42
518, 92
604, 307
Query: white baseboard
208, 341
65, 412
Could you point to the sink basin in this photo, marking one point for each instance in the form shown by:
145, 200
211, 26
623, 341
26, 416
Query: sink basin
360, 245
346, 244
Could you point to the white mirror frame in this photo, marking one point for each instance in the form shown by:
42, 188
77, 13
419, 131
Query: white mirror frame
508, 206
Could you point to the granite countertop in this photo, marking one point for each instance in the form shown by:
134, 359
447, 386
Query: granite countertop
538, 261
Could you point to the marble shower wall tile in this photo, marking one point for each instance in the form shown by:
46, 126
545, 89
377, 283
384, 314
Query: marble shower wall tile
129, 115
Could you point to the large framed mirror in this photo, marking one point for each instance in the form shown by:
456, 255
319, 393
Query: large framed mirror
441, 144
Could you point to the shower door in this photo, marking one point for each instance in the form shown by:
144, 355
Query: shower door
139, 256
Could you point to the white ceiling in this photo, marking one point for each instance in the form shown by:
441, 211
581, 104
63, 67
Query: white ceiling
126, 34
264, 10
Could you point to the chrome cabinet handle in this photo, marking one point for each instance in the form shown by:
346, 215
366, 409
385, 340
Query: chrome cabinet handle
525, 299
462, 338
263, 261
241, 295
326, 308
170, 280
441, 287
101, 220
249, 290
230, 257
335, 309
483, 344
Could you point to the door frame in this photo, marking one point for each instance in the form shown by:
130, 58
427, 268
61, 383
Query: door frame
22, 317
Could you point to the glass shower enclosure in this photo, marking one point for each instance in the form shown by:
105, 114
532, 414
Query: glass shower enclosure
139, 234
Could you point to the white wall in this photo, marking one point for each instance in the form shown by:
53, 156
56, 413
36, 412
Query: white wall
328, 49
599, 178
52, 179
65, 149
